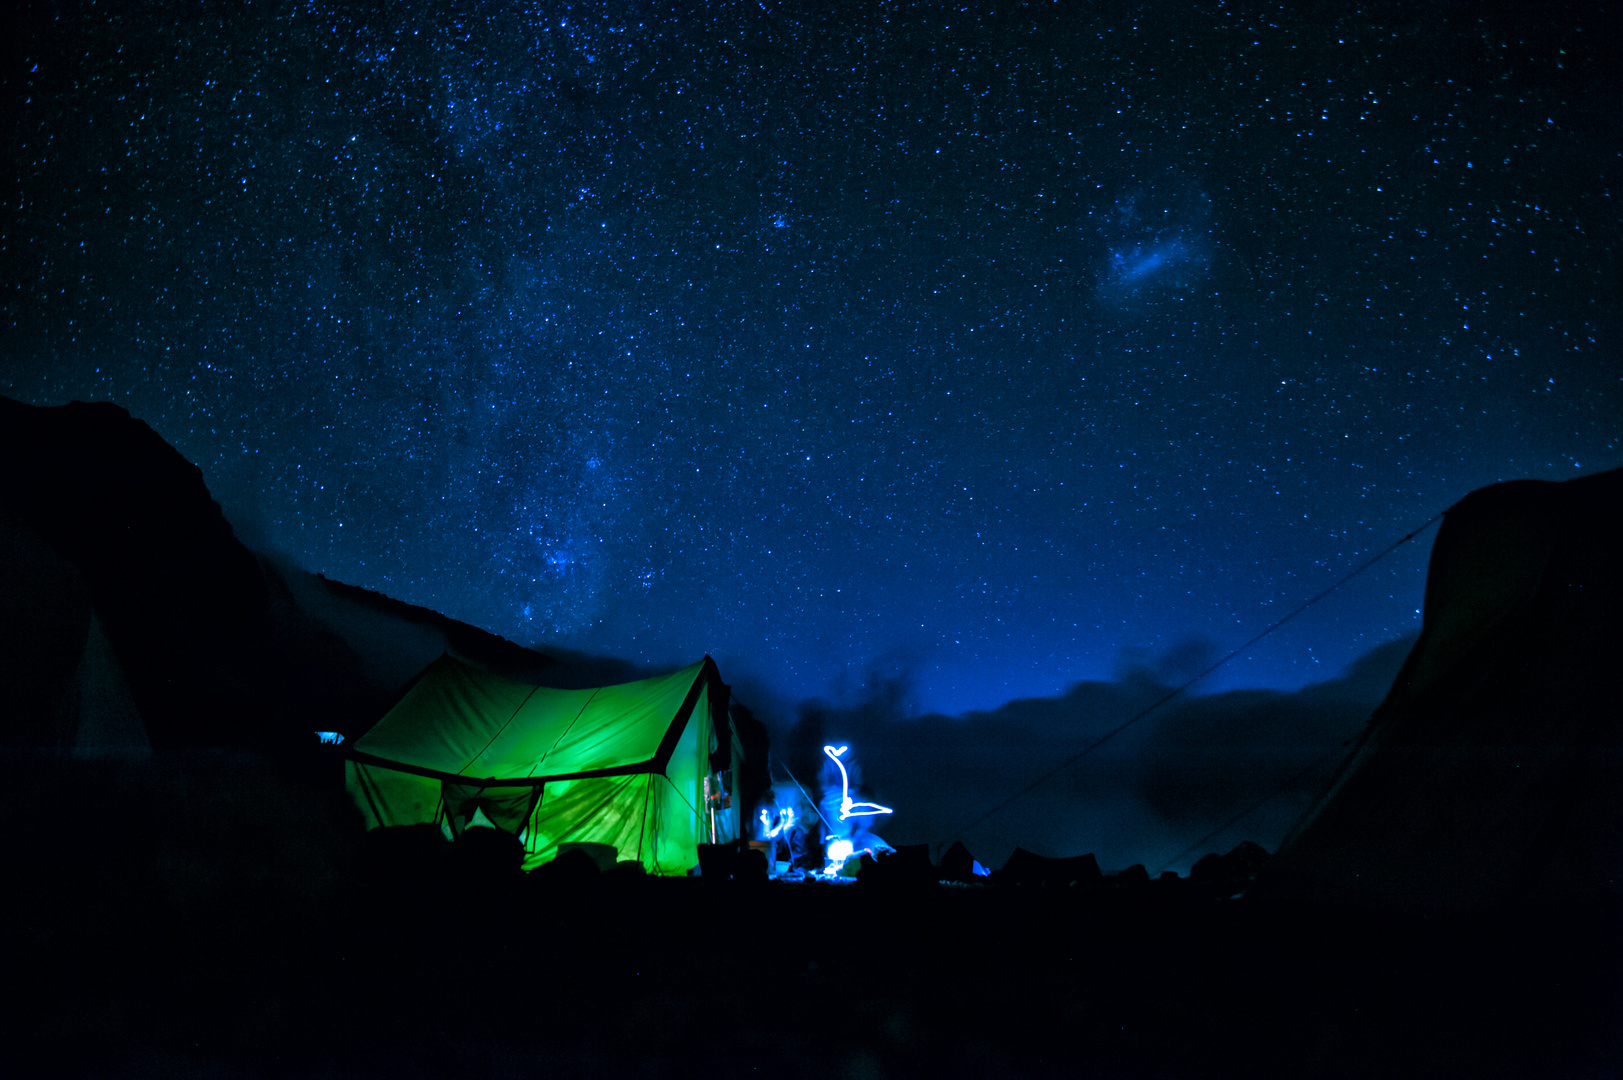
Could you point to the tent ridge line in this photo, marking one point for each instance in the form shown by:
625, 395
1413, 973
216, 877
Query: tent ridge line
639, 768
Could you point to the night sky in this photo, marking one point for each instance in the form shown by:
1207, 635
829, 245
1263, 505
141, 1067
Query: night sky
983, 346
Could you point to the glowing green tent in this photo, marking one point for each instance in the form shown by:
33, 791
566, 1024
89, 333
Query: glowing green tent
645, 767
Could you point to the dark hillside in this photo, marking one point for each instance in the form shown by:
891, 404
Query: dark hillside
1493, 771
107, 529
182, 601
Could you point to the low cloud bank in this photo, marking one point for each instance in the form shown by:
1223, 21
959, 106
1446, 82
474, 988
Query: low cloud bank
1143, 796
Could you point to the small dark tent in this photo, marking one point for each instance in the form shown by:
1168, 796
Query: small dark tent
648, 768
1492, 774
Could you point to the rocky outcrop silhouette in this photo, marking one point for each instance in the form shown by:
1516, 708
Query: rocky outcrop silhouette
1492, 774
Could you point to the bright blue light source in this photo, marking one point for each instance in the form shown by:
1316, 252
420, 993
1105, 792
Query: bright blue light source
786, 821
838, 852
330, 737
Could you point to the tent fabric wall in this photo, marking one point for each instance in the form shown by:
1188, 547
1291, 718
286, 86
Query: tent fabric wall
1492, 774
622, 765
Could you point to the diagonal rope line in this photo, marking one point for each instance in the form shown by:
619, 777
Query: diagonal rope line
1169, 695
1248, 811
679, 795
809, 799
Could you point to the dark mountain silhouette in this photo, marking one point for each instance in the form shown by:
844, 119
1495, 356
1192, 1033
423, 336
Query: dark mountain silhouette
1490, 774
125, 592
392, 640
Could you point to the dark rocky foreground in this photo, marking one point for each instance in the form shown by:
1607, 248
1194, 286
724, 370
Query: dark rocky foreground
203, 914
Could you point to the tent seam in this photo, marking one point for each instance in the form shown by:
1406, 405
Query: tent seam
633, 769
578, 714
505, 725
642, 833
678, 724
364, 782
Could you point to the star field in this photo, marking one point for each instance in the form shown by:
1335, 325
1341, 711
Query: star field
981, 342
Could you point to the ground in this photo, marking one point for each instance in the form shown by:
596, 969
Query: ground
149, 938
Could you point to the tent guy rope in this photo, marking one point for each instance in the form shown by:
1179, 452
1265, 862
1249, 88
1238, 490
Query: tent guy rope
1319, 761
1169, 695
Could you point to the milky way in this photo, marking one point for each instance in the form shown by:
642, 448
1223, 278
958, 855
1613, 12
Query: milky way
986, 343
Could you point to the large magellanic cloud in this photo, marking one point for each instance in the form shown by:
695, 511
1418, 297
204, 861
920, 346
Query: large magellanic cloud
1155, 244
